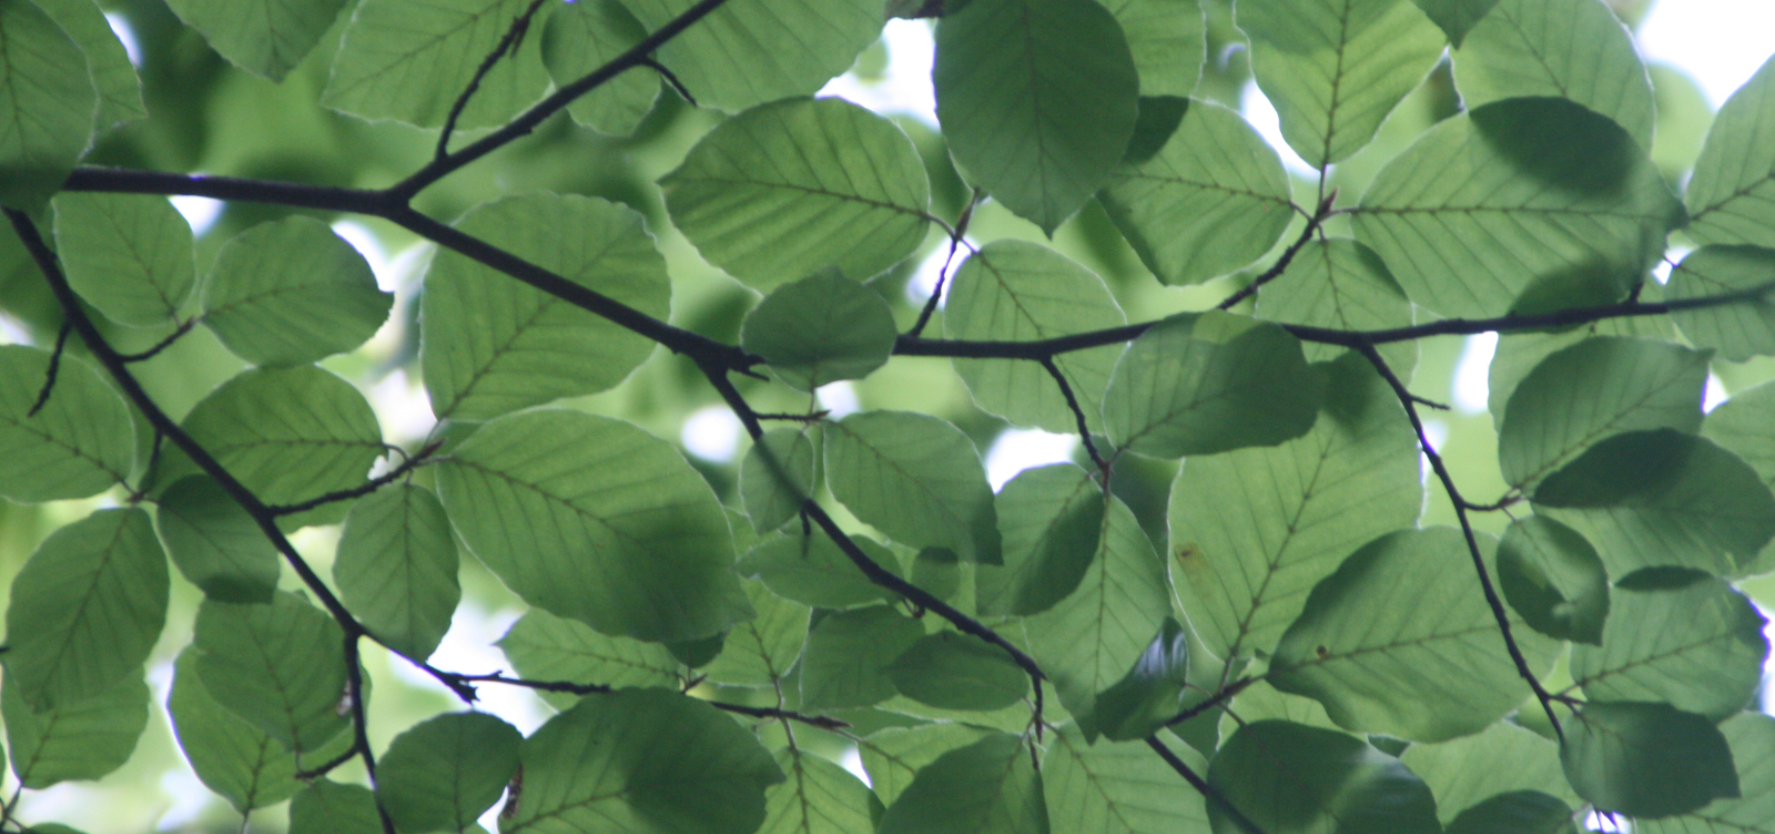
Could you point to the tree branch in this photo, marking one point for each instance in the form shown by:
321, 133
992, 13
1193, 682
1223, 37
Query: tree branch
49, 374
1281, 265
413, 461
1078, 414
824, 722
1211, 793
171, 338
507, 44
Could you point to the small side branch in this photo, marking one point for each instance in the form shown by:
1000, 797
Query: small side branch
824, 722
671, 78
1281, 265
1224, 695
508, 45
1209, 792
955, 240
54, 369
1078, 413
412, 462
171, 338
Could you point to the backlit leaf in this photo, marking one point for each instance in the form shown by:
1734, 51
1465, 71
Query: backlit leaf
280, 666
119, 89
1647, 759
1051, 518
1504, 757
777, 477
893, 757
47, 105
1291, 779
396, 64
915, 478
580, 37
264, 37
541, 645
83, 740
848, 654
1166, 38
79, 443
812, 570
1518, 812
328, 807
442, 773
1151, 694
1456, 17
396, 568
761, 650
821, 329
128, 255
1729, 195
233, 758
1553, 578
292, 292
215, 544
1740, 425
1118, 788
988, 787
816, 797
958, 671
1751, 738
1340, 284
1739, 330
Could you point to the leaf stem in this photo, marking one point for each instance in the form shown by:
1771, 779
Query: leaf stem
49, 374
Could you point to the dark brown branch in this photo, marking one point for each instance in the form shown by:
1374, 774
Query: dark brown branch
822, 721
1078, 414
955, 236
412, 462
671, 78
50, 373
1209, 792
1281, 265
171, 338
1225, 694
360, 725
508, 44
1460, 504
296, 195
331, 765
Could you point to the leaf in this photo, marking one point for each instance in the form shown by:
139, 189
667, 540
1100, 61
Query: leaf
493, 346
242, 763
1118, 788
648, 761
1200, 384
580, 37
1729, 194
1502, 758
988, 787
1252, 531
1647, 759
811, 569
86, 609
1051, 519
292, 292
916, 478
1334, 69
894, 757
1145, 700
79, 444
1340, 284
1290, 778
443, 772
952, 670
793, 187
1094, 636
593, 519
1573, 49
264, 37
326, 806
817, 797
47, 106
280, 666
1523, 195
395, 568
1518, 354
543, 646
1591, 390
1456, 17
1680, 637
1167, 40
1553, 578
1739, 330
1751, 738
215, 544
394, 64
83, 740
1398, 641
750, 53
1519, 812
1660, 497
760, 651
128, 255
821, 329
1017, 291
777, 477
119, 89
1212, 199
848, 654
1037, 100
1740, 425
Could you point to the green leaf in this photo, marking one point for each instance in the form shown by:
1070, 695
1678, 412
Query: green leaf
1553, 578
1523, 195
952, 670
593, 519
894, 757
325, 807
395, 567
821, 329
746, 54
1518, 354
1591, 390
1504, 757
543, 646
1739, 330
760, 651
1013, 290
1573, 49
119, 89
79, 444
47, 105
777, 476
916, 478
128, 255
647, 761
1200, 384
1647, 759
1340, 284
1729, 195
848, 655
817, 797
264, 37
444, 772
395, 64
988, 787
1740, 425
1260, 700
1037, 100
233, 758
1094, 636
582, 36
280, 666
1518, 812
1151, 694
1252, 531
1456, 17
1168, 41
1751, 737
1660, 497
1334, 69
811, 569
492, 345
1291, 779
1051, 519
1404, 609
215, 544
83, 740
792, 187
1118, 788
292, 292
1212, 199
86, 609
1680, 637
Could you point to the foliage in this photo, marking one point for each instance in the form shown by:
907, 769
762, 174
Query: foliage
1231, 612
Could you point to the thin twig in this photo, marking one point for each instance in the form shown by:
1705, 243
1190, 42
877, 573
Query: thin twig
1078, 414
412, 462
507, 44
143, 356
1429, 403
1211, 793
568, 687
331, 765
955, 239
360, 724
1281, 265
671, 78
55, 366
1225, 694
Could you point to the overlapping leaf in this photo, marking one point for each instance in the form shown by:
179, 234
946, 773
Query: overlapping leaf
848, 653
231, 756
1118, 788
1647, 759
396, 568
280, 666
395, 64
83, 740
821, 329
1739, 425
1291, 779
1519, 353
215, 544
1731, 197
130, 256
1340, 284
291, 292
1167, 40
264, 37
1145, 700
988, 787
1456, 17
1751, 738
915, 478
1051, 518
777, 477
812, 569
761, 650
119, 89
328, 807
894, 757
1552, 577
78, 444
1504, 757
957, 671
817, 797
442, 773
580, 37
1739, 330
47, 105
1517, 812
541, 645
